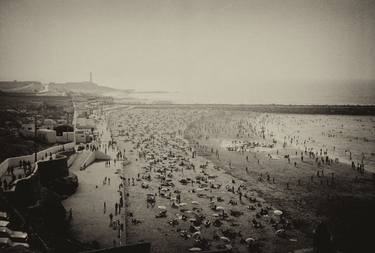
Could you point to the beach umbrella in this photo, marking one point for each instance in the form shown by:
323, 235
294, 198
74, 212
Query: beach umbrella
196, 234
197, 228
249, 240
215, 215
195, 202
220, 208
162, 207
4, 223
278, 212
280, 232
225, 239
195, 249
183, 204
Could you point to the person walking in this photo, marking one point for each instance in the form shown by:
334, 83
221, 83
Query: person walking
110, 219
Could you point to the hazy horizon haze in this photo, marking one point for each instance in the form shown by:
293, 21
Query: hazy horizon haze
189, 46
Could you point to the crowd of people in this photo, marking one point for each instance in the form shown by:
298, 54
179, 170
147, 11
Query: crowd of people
164, 169
206, 207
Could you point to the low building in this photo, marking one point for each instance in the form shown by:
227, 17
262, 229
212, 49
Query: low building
29, 127
65, 137
80, 136
46, 135
27, 130
49, 124
84, 123
63, 128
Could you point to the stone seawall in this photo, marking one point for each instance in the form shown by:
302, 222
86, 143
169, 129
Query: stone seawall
95, 155
53, 169
14, 161
26, 191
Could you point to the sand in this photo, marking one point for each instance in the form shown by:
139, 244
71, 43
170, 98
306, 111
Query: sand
182, 143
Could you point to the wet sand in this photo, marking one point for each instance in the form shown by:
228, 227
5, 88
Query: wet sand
305, 200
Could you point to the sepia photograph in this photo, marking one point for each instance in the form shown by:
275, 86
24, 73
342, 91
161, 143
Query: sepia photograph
172, 126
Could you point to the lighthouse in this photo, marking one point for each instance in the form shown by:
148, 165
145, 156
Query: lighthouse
90, 77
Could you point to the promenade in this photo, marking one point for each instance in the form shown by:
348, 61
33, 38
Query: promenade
99, 183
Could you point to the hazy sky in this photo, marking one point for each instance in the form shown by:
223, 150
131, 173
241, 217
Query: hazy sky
187, 45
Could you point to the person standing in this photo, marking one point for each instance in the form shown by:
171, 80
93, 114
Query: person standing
110, 218
70, 214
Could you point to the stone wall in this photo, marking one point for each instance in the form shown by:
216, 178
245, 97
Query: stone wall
52, 169
14, 161
26, 191
95, 155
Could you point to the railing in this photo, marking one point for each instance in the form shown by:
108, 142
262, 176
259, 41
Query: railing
14, 184
14, 161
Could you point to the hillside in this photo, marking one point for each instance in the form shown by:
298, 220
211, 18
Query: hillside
85, 87
21, 86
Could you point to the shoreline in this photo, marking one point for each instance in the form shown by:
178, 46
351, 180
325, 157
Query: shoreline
306, 204
313, 109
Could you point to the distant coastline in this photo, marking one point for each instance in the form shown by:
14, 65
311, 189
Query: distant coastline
151, 92
354, 110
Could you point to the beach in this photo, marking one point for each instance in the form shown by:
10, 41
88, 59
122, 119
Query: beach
192, 183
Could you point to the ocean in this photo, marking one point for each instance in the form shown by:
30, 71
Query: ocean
320, 93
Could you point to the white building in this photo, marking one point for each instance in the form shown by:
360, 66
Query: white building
84, 123
65, 137
81, 136
47, 135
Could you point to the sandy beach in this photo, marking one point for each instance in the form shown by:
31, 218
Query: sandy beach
204, 196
